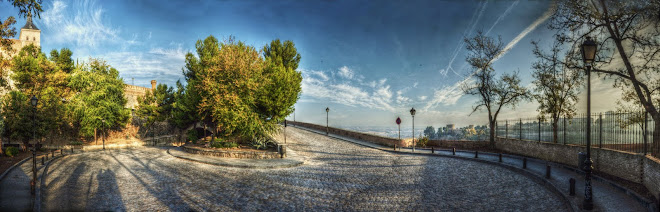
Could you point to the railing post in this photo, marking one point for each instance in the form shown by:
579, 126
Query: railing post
539, 129
646, 120
506, 129
600, 131
564, 131
520, 132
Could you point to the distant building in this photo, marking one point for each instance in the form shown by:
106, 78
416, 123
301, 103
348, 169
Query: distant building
450, 127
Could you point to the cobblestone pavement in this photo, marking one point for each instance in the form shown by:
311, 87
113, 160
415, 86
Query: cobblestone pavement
337, 175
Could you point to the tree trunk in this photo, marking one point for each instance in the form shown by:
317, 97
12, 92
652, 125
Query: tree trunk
96, 142
492, 134
555, 127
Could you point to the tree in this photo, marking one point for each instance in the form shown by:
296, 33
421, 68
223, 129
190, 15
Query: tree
156, 106
429, 132
35, 75
628, 34
281, 85
99, 96
494, 93
556, 86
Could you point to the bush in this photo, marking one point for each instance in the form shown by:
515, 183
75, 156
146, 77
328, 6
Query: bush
262, 143
422, 142
192, 136
219, 144
75, 143
11, 151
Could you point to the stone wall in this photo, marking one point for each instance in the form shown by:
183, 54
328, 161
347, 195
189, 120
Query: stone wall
458, 144
629, 166
232, 153
131, 93
652, 175
385, 141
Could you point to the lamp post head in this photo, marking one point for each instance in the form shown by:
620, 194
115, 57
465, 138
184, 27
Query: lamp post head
327, 109
412, 111
588, 49
34, 101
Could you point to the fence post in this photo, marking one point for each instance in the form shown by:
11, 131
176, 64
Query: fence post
564, 131
539, 129
646, 143
600, 132
506, 129
520, 132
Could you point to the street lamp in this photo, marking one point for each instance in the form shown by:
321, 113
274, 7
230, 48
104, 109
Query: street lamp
327, 110
103, 131
588, 56
34, 101
412, 113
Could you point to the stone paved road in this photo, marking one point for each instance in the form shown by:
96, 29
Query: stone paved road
337, 176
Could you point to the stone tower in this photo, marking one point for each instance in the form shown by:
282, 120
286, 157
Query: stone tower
30, 34
153, 84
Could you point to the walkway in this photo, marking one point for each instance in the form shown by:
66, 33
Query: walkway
15, 185
337, 175
606, 197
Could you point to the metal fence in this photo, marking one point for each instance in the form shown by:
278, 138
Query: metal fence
625, 131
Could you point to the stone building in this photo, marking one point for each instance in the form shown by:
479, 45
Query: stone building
132, 92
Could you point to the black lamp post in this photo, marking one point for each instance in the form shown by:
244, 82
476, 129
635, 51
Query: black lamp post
327, 110
103, 132
588, 56
34, 101
412, 112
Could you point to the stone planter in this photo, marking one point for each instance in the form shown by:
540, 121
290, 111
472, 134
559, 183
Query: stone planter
231, 153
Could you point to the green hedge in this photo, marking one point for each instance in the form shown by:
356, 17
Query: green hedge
11, 151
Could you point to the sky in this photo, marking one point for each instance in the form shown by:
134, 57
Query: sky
368, 61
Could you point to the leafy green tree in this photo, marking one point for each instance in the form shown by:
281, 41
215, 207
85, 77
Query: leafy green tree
429, 132
7, 31
17, 114
556, 86
35, 75
156, 106
99, 96
282, 54
494, 93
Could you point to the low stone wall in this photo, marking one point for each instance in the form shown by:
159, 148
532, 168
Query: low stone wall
385, 141
629, 166
652, 175
232, 153
458, 144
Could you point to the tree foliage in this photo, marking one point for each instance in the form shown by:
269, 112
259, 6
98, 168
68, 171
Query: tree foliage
494, 93
156, 105
556, 85
99, 96
429, 132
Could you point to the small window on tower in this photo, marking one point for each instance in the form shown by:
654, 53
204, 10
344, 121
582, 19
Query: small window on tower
34, 38
27, 38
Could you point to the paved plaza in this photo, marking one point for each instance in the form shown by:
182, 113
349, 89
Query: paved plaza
337, 175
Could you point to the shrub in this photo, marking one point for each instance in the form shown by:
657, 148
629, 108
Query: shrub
262, 143
75, 143
218, 144
422, 142
11, 151
192, 136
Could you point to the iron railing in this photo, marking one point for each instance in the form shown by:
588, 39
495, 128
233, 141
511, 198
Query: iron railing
624, 131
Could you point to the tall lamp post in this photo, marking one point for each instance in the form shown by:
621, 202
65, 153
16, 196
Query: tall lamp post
327, 110
588, 56
103, 132
412, 113
34, 102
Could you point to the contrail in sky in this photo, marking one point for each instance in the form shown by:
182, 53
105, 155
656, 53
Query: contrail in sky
468, 31
453, 92
502, 15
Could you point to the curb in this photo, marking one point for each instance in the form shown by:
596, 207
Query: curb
298, 163
42, 178
4, 174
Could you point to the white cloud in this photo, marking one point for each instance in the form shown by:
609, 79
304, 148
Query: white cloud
82, 24
422, 98
346, 72
315, 85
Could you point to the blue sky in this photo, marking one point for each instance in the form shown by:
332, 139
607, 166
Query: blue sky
369, 61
